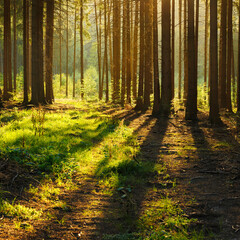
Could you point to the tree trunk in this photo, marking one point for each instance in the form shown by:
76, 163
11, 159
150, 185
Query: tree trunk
180, 52
60, 42
74, 53
196, 37
223, 55
128, 55
116, 49
229, 57
185, 52
166, 59
49, 52
37, 53
173, 48
124, 21
106, 49
156, 103
206, 51
7, 83
14, 47
191, 104
139, 105
81, 42
135, 50
148, 52
214, 107
238, 78
26, 49
67, 51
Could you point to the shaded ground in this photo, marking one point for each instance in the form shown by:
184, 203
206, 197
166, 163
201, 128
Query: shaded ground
202, 162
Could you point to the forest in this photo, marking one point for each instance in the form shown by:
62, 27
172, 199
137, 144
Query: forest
120, 119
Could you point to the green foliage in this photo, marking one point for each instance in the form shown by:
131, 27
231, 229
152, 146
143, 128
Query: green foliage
18, 210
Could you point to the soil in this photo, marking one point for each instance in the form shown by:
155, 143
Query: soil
203, 161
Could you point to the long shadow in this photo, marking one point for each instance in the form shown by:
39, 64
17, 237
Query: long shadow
216, 207
141, 168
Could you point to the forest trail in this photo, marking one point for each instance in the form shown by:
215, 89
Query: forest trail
203, 165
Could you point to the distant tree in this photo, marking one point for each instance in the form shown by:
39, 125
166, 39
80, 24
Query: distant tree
214, 107
49, 52
37, 53
191, 104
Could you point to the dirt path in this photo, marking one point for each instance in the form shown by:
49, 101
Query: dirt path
203, 162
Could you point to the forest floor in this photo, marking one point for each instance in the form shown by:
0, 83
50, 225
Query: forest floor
191, 189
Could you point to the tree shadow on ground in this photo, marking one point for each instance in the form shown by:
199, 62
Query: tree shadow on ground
216, 195
127, 209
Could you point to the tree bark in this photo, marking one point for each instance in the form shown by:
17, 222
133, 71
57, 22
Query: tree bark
37, 53
166, 59
49, 52
214, 107
191, 104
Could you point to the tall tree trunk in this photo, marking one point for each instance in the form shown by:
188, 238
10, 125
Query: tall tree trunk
26, 49
124, 48
49, 52
229, 57
100, 91
238, 77
14, 47
148, 52
223, 55
135, 50
81, 42
180, 52
233, 75
67, 49
196, 37
116, 49
156, 103
128, 40
191, 104
110, 38
166, 59
106, 49
214, 107
206, 51
74, 53
185, 52
60, 41
7, 84
37, 53
139, 105
173, 48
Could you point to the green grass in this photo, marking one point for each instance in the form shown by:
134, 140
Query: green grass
61, 147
